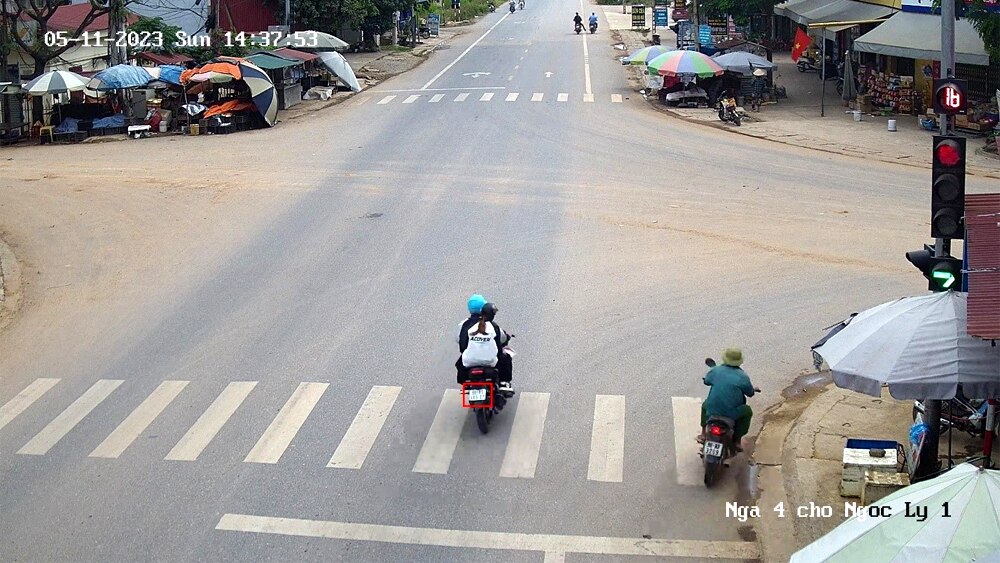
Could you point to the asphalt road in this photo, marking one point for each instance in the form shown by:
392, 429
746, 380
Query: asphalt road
302, 294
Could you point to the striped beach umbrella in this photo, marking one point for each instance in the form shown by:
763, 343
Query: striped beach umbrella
683, 62
54, 82
261, 91
646, 54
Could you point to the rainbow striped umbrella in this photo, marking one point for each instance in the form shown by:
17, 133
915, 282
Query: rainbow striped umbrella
674, 63
646, 54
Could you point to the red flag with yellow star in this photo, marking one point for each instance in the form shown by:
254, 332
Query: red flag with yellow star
802, 42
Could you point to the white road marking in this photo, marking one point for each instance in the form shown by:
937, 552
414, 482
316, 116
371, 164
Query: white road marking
525, 440
476, 539
137, 422
607, 442
616, 98
486, 97
518, 66
461, 97
363, 101
588, 97
411, 99
586, 66
563, 97
441, 89
436, 98
510, 78
69, 418
363, 432
465, 52
687, 426
511, 97
386, 100
286, 425
211, 421
537, 96
25, 399
548, 75
442, 439
554, 557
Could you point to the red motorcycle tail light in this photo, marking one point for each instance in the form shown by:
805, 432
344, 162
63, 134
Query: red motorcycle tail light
715, 430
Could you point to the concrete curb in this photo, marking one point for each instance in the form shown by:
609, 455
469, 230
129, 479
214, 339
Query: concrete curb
10, 285
781, 435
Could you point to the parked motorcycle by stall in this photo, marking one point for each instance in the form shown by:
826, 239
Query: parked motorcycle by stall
727, 110
481, 392
960, 413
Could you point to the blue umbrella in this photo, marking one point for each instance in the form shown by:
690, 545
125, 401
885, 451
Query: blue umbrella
119, 77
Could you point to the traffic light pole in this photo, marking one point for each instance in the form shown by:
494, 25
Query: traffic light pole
942, 247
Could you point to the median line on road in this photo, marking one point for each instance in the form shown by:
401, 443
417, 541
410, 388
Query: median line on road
473, 539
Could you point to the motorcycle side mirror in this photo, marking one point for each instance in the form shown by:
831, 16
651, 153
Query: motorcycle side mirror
710, 362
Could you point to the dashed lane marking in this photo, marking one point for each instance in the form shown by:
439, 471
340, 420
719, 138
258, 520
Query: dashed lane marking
286, 424
69, 418
197, 438
25, 399
367, 425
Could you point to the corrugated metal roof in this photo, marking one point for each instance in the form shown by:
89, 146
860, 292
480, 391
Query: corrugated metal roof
301, 55
982, 220
161, 59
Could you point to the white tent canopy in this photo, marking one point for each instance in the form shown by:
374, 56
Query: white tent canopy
808, 12
918, 36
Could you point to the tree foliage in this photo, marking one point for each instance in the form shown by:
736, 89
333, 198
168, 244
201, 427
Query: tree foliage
987, 24
152, 25
741, 10
37, 13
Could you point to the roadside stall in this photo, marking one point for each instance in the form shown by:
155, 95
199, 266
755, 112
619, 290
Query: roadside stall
286, 74
313, 71
220, 82
13, 124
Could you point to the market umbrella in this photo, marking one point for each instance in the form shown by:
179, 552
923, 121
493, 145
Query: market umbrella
261, 91
918, 346
312, 41
339, 66
968, 531
55, 82
119, 77
673, 63
742, 62
646, 54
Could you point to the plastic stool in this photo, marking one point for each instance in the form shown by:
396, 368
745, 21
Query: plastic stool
46, 129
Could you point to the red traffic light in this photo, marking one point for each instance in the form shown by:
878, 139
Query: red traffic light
948, 153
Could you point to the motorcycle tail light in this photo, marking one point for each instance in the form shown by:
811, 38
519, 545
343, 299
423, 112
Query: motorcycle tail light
477, 372
715, 430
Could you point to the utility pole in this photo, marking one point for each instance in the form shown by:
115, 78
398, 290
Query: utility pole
932, 408
114, 26
288, 11
697, 28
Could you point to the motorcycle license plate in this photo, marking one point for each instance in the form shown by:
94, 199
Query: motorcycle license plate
477, 395
713, 449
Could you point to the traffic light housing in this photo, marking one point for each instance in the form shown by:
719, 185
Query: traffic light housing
948, 188
949, 96
944, 273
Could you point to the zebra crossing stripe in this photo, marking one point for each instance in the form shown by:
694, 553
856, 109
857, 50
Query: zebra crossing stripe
386, 100
607, 443
525, 441
616, 98
687, 426
442, 439
461, 97
25, 399
361, 435
363, 101
511, 97
211, 421
563, 97
537, 97
486, 97
286, 425
69, 418
588, 98
411, 99
139, 420
436, 98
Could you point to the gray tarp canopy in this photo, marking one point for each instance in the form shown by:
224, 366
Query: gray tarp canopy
808, 12
918, 36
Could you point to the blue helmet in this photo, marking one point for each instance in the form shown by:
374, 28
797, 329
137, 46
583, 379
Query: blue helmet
476, 303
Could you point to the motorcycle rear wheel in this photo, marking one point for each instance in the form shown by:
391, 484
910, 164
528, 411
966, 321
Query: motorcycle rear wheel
736, 119
483, 417
712, 473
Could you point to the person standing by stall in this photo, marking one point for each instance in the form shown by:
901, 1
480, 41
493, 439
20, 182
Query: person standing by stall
759, 84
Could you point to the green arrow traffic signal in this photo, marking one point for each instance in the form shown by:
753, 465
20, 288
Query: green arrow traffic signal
943, 272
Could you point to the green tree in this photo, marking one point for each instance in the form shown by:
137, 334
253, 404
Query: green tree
741, 10
36, 14
987, 23
153, 25
331, 15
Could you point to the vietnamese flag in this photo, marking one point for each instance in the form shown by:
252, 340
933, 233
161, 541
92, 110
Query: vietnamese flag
802, 42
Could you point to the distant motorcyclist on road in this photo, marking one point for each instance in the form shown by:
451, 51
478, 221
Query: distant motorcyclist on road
593, 18
730, 386
481, 343
577, 20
